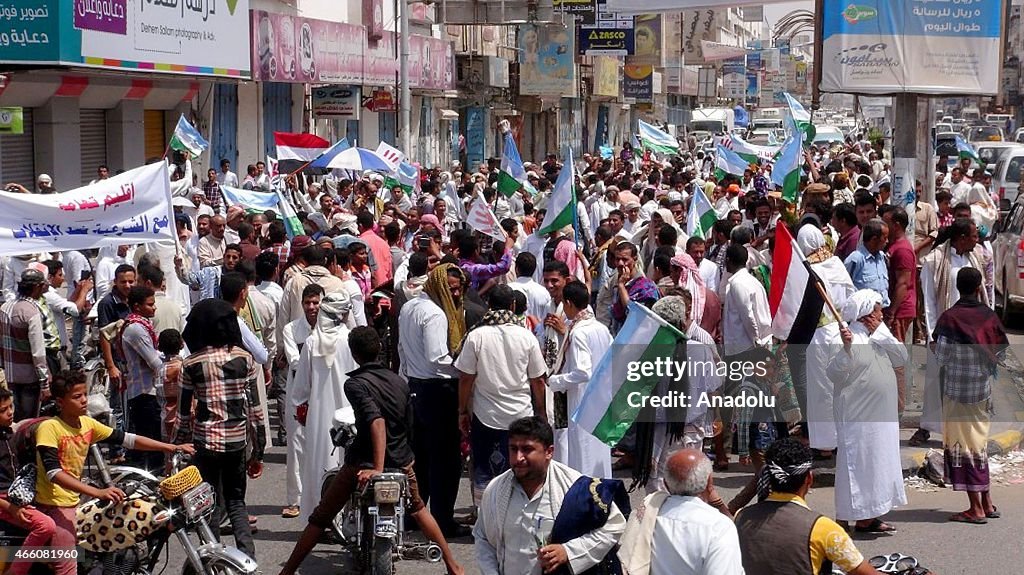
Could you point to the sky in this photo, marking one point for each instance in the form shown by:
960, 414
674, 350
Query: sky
772, 12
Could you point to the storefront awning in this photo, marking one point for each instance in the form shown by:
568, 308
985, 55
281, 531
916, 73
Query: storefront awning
449, 115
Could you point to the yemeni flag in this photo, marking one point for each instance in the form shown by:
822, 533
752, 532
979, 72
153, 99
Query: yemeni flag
750, 153
512, 175
605, 411
786, 172
561, 210
794, 300
965, 150
701, 217
657, 141
295, 151
801, 117
187, 139
728, 162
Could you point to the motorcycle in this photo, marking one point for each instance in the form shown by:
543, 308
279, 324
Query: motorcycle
128, 538
372, 524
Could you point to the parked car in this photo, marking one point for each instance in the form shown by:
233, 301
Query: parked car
1018, 136
1006, 177
991, 152
828, 135
1005, 252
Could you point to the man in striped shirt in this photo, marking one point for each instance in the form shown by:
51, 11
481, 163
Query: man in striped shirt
23, 348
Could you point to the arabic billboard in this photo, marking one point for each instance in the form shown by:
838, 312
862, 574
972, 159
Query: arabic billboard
606, 33
895, 46
336, 102
638, 82
547, 67
299, 50
167, 36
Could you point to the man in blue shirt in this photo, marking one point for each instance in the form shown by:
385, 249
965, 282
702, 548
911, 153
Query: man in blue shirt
867, 265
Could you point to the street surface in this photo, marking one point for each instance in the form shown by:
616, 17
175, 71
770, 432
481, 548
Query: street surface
923, 529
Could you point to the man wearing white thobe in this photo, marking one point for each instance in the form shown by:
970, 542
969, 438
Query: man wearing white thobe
319, 392
586, 343
293, 339
537, 298
869, 473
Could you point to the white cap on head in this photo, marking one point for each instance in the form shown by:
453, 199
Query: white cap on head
44, 179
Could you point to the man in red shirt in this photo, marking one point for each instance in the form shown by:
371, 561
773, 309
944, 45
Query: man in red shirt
902, 282
378, 247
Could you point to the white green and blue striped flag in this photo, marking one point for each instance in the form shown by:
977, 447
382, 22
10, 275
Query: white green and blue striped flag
729, 162
657, 141
260, 202
610, 403
512, 175
786, 171
561, 210
187, 139
800, 115
966, 150
701, 217
751, 153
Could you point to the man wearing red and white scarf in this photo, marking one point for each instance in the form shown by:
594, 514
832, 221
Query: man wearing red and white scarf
138, 341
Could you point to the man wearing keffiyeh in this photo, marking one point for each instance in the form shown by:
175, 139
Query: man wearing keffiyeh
780, 534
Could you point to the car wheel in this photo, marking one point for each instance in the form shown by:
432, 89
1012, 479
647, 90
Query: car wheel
1004, 313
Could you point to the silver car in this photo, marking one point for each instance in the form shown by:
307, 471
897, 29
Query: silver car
1006, 177
1005, 247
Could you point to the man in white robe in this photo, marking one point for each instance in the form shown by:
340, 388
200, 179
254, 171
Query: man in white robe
869, 472
824, 345
319, 392
938, 282
520, 508
586, 343
293, 341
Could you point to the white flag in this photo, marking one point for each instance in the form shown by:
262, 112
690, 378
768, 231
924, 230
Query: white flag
481, 218
392, 155
273, 173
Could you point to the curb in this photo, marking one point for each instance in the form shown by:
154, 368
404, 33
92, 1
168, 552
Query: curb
913, 458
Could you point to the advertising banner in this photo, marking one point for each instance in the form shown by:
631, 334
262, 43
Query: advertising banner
606, 33
578, 7
698, 25
638, 82
476, 133
547, 67
168, 36
12, 121
336, 102
606, 76
714, 51
734, 78
900, 46
130, 208
648, 41
294, 49
647, 6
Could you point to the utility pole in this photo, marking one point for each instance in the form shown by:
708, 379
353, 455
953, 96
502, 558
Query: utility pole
405, 97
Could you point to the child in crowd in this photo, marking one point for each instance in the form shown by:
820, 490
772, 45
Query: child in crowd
169, 345
62, 445
39, 526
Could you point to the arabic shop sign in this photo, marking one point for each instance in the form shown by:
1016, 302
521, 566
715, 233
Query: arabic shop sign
911, 46
336, 102
168, 36
133, 207
607, 42
11, 121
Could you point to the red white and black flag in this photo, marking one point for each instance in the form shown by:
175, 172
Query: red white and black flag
295, 150
794, 299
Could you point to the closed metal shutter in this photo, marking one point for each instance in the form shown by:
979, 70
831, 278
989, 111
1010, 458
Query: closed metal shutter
155, 134
277, 117
94, 142
17, 155
225, 125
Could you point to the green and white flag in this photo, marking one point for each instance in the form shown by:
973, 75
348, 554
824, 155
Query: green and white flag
729, 162
407, 176
512, 175
750, 153
801, 116
701, 217
655, 140
561, 209
965, 150
187, 139
611, 402
786, 172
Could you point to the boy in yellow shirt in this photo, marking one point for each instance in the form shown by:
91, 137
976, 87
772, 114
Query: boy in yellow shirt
62, 445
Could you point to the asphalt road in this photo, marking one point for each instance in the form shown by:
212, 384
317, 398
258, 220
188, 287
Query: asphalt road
923, 528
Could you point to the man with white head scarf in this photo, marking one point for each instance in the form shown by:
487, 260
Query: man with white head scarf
869, 472
319, 392
824, 344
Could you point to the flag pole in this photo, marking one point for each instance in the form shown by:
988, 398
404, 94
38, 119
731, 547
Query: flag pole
828, 301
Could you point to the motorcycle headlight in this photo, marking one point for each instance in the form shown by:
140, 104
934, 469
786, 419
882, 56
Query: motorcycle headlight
387, 492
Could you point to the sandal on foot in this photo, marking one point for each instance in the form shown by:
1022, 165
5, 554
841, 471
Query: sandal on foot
994, 514
290, 512
876, 526
963, 517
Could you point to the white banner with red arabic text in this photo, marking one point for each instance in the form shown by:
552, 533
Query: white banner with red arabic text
130, 208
